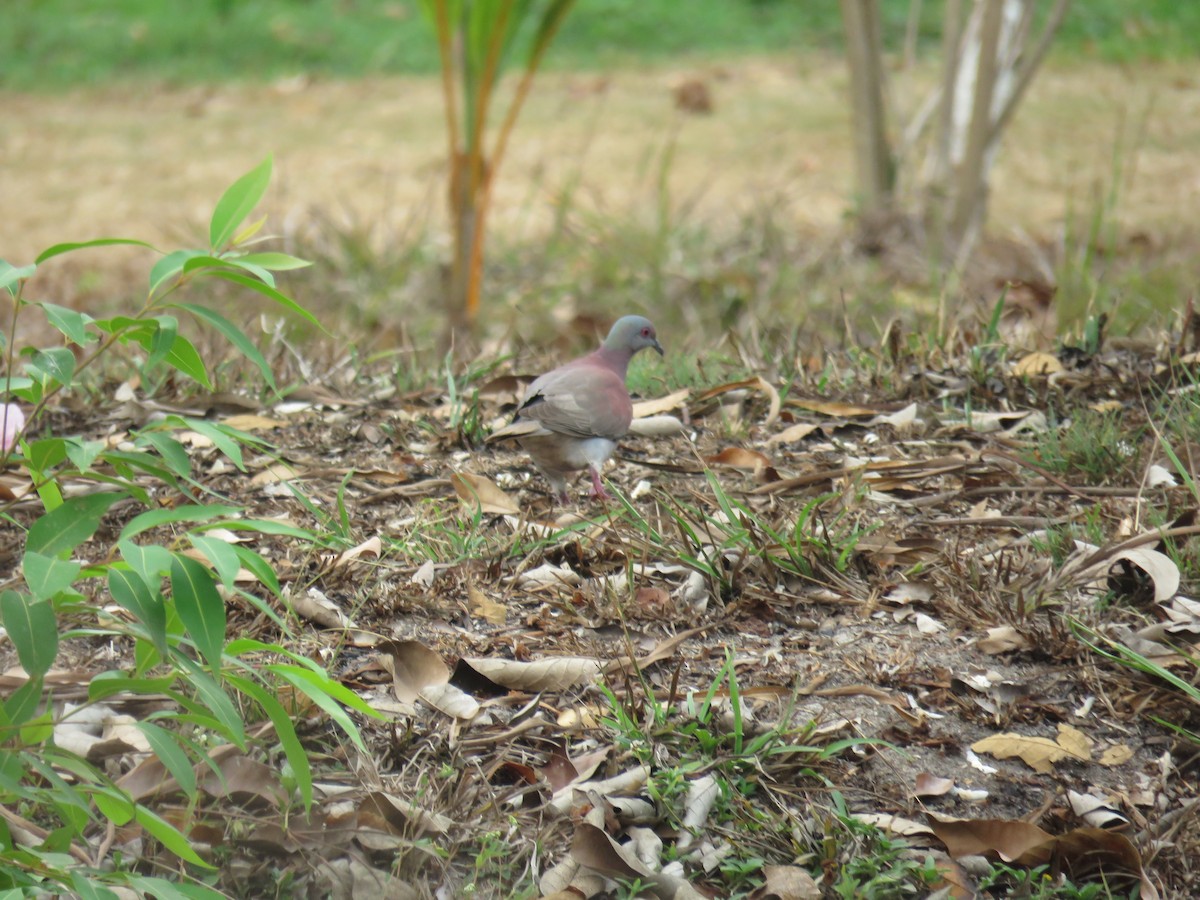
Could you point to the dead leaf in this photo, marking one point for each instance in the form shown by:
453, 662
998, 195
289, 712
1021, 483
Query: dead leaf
1038, 363
702, 794
1089, 854
1007, 838
1097, 812
1038, 753
596, 850
739, 458
368, 549
240, 776
250, 422
758, 383
894, 824
655, 601
927, 624
1074, 740
554, 674
644, 408
787, 883
1160, 567
482, 494
316, 607
549, 574
1003, 639
484, 607
419, 673
833, 408
932, 786
1116, 755
656, 426
792, 434
401, 817
900, 419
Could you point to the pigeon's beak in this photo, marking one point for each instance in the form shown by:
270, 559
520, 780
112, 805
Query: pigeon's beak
657, 346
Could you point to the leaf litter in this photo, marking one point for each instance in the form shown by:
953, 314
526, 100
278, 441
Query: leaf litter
882, 619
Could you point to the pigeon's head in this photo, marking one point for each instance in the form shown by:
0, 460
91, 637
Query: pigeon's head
630, 334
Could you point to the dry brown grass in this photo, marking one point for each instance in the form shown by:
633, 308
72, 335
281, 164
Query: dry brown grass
151, 163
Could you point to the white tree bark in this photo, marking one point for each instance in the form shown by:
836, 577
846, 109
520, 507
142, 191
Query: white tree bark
989, 57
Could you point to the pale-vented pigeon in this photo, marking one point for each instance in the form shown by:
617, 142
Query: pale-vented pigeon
572, 416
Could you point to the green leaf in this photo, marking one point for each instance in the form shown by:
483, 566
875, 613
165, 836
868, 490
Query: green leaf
171, 755
285, 730
22, 705
221, 554
213, 700
10, 275
152, 562
183, 357
225, 263
267, 291
275, 262
87, 888
46, 453
163, 340
320, 691
235, 336
83, 453
237, 203
47, 575
153, 518
33, 629
226, 439
168, 836
20, 386
56, 364
170, 266
113, 805
270, 526
200, 606
130, 590
127, 461
258, 567
64, 529
174, 454
59, 249
71, 322
162, 889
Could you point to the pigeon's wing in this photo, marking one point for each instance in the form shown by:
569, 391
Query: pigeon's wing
580, 401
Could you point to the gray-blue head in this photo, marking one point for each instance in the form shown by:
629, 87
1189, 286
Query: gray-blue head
630, 334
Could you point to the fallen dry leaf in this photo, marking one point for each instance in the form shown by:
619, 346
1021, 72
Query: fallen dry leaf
1006, 838
787, 883
833, 408
793, 433
419, 673
932, 786
368, 549
1038, 753
250, 422
1002, 639
739, 458
483, 495
484, 607
1038, 363
656, 426
645, 408
554, 674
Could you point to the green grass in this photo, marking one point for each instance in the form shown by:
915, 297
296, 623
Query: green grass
54, 44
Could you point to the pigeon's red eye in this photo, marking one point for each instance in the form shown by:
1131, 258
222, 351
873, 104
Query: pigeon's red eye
645, 332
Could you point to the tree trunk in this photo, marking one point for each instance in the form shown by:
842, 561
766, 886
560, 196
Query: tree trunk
873, 152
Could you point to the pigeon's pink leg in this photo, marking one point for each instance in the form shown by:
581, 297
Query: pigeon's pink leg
598, 492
